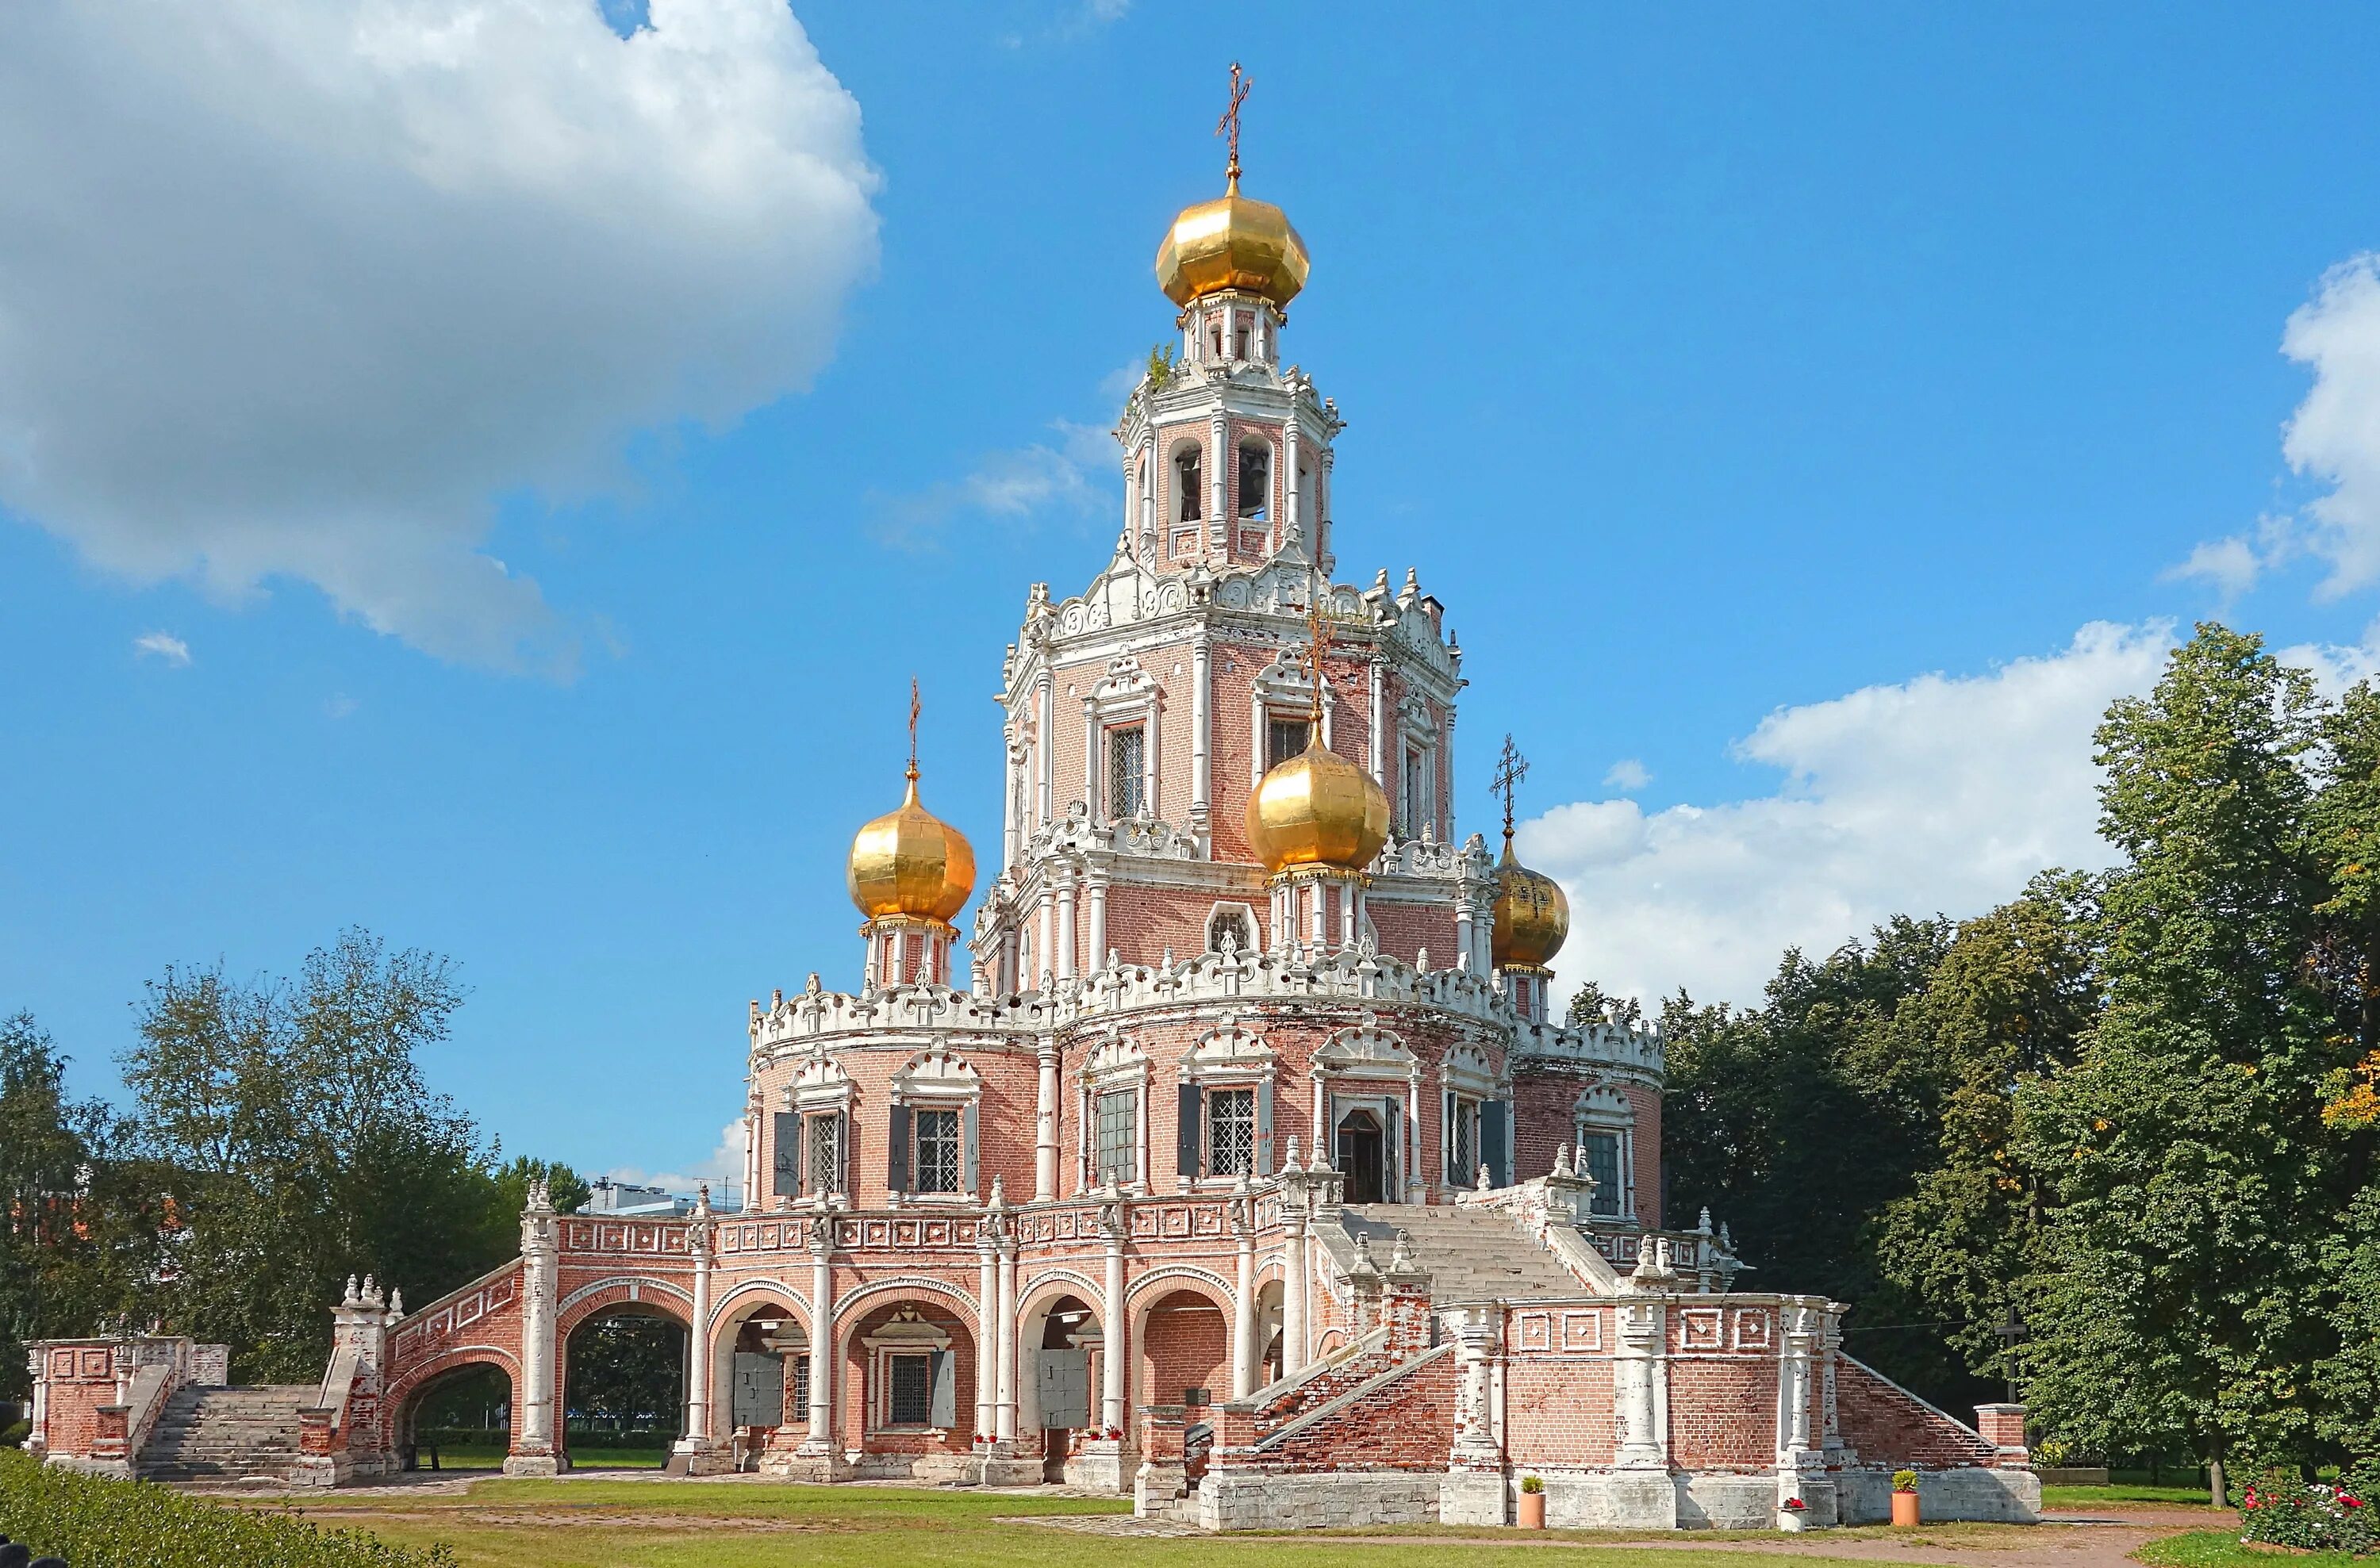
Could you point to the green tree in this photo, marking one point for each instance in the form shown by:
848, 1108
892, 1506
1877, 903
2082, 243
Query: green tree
2010, 1004
2184, 1144
306, 1146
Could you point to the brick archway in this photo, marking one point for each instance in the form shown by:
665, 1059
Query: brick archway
877, 1327
736, 1308
625, 1295
1181, 1341
401, 1398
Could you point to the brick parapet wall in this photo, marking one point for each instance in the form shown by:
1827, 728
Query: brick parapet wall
1886, 1423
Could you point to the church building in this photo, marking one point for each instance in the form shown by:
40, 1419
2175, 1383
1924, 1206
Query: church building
1235, 1157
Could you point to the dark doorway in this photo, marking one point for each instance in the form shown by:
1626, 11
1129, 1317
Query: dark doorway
1363, 1157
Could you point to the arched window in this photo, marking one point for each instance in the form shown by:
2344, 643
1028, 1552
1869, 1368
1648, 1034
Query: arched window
1229, 923
1256, 481
1187, 486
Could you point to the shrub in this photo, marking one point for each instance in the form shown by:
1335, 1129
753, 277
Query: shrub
2281, 1510
1904, 1480
95, 1523
1532, 1483
15, 1436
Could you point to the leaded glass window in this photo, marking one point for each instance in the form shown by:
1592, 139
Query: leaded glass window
826, 1154
912, 1402
1599, 1152
1117, 1135
1127, 771
1463, 1166
1231, 1131
937, 1133
1285, 738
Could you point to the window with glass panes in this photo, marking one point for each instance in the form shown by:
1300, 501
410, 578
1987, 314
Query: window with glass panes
826, 1154
1231, 1131
937, 1134
1285, 738
1599, 1152
1127, 770
911, 1391
1462, 1136
1116, 1128
1417, 792
799, 1408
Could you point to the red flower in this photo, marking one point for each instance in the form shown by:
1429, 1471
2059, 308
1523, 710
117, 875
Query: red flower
2350, 1501
1795, 1506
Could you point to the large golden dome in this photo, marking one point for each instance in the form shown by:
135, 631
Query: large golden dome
911, 862
1531, 915
1317, 809
1231, 243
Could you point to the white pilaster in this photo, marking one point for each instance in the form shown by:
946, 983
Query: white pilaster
1115, 1354
1202, 708
1244, 1349
1095, 954
1004, 1341
541, 1265
821, 1437
986, 1364
1045, 1124
1066, 969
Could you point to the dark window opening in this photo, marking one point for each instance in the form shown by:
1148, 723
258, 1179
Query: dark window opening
938, 1151
1186, 482
912, 1391
1600, 1151
1285, 738
1255, 482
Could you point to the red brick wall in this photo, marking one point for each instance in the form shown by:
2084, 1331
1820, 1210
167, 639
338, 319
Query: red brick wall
1889, 1425
1406, 1425
82, 1378
1558, 1412
1405, 929
1185, 1344
858, 1399
1648, 1147
1723, 1412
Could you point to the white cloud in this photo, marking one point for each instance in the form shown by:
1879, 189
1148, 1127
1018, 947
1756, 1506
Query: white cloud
295, 288
339, 706
726, 1166
2335, 434
1939, 794
1627, 774
164, 646
2231, 565
1073, 474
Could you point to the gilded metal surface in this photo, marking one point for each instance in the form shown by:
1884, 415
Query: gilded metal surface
911, 862
1532, 916
1231, 243
1317, 809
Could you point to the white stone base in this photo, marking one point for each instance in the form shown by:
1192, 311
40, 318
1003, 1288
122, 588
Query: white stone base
532, 1464
1097, 1465
1969, 1492
1257, 1498
1473, 1497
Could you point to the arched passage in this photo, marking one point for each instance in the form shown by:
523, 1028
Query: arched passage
1058, 1373
907, 1390
622, 1385
454, 1412
760, 1370
1183, 1327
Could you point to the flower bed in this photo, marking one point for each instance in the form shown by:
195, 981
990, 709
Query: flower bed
94, 1523
2281, 1510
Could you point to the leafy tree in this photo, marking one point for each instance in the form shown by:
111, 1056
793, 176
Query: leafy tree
307, 1147
2185, 1141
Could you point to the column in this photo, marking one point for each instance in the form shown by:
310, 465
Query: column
1477, 1334
1246, 1352
1096, 950
1463, 946
1379, 737
1066, 970
1793, 1386
987, 1312
1115, 1353
1148, 486
1045, 949
821, 1438
1092, 804
1293, 1287
1219, 482
1005, 1340
1314, 915
1202, 709
699, 1374
1639, 1407
533, 1443
1011, 836
1416, 1191
1045, 1124
1290, 438
1046, 733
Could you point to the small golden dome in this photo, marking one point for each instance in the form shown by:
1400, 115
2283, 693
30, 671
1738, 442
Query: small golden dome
1531, 915
1317, 809
911, 862
1231, 243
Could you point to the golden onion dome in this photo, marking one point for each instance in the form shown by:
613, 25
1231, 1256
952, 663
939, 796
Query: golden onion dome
1531, 915
1231, 243
911, 862
1317, 809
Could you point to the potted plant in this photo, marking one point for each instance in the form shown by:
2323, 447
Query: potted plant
1904, 1497
1533, 1502
1792, 1514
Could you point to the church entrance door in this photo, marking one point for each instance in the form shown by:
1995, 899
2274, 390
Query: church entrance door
1363, 1157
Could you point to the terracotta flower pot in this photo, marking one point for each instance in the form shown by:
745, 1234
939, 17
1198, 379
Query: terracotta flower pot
1904, 1508
1533, 1511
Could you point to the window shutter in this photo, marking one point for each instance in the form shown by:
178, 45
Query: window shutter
1264, 1130
1392, 1146
1186, 1130
846, 1136
945, 1411
896, 1151
968, 1168
788, 1170
1493, 1114
1449, 1143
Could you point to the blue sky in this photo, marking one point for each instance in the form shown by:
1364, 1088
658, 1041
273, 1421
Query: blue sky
1803, 412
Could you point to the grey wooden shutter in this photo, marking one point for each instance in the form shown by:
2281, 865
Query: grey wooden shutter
1264, 1128
1450, 1143
1392, 1148
946, 1412
846, 1134
1493, 1144
896, 1150
788, 1157
970, 1165
1186, 1130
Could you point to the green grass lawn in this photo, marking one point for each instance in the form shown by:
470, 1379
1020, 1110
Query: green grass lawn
533, 1524
2221, 1549
2123, 1491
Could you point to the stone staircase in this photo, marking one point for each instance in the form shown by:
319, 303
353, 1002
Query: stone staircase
225, 1434
1470, 1254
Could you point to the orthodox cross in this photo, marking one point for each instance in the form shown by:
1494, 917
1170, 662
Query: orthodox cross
1228, 126
917, 705
1510, 768
1317, 638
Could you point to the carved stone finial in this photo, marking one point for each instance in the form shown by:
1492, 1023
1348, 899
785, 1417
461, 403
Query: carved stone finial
369, 1295
396, 1303
1289, 1161
351, 1299
1486, 1182
1561, 1159
999, 1193
1363, 1263
1420, 960
1401, 1258
1704, 1227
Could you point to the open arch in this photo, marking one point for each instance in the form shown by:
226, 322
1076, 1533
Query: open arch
1182, 1342
760, 1366
454, 1410
907, 1371
1059, 1342
621, 1388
